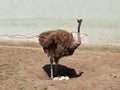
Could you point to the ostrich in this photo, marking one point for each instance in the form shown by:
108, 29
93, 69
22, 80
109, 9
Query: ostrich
59, 43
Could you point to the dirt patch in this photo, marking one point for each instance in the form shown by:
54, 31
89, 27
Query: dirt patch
90, 68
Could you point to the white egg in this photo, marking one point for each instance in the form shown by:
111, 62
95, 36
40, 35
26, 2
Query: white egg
67, 78
62, 78
56, 78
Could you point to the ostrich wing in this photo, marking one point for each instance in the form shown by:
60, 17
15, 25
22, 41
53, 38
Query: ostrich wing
44, 39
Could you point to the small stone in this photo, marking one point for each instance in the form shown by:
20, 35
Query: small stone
98, 57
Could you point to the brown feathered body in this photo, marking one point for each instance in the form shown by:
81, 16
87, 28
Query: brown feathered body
58, 42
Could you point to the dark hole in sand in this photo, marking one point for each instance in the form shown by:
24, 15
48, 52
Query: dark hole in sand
63, 71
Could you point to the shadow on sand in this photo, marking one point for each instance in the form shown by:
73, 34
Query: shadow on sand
63, 71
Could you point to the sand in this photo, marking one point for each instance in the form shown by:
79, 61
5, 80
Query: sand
24, 66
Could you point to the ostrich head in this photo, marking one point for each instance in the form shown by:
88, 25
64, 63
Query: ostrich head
76, 35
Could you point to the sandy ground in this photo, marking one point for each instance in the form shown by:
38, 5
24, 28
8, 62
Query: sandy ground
90, 68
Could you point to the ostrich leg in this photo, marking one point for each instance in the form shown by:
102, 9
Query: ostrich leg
56, 66
51, 65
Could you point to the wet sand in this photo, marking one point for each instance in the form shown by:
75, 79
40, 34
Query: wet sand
24, 66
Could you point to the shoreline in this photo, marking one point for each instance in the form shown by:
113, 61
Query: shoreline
35, 44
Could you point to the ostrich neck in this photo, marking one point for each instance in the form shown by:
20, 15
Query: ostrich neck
79, 39
79, 27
